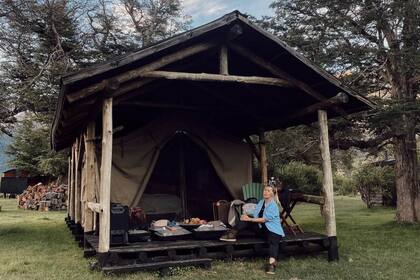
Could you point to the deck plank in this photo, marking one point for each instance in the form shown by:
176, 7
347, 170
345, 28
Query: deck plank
193, 244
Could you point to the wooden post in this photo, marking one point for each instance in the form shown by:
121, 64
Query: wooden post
224, 65
182, 177
105, 183
327, 184
69, 187
263, 159
77, 208
72, 195
90, 175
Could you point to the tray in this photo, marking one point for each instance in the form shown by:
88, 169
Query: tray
209, 234
179, 234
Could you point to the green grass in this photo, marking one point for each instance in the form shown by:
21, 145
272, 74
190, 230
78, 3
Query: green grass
35, 245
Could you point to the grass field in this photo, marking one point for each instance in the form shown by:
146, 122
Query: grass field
35, 245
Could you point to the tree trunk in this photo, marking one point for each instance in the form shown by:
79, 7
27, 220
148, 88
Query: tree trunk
406, 174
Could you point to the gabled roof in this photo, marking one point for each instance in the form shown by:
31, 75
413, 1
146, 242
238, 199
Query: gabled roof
256, 40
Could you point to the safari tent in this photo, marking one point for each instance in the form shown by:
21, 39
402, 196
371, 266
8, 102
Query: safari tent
171, 125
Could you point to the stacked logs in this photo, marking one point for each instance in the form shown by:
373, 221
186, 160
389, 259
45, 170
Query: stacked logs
44, 197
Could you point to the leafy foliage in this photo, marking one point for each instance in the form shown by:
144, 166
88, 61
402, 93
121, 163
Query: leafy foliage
374, 47
30, 150
42, 40
375, 180
344, 185
300, 176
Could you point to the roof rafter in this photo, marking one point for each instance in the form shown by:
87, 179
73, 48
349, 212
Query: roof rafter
135, 73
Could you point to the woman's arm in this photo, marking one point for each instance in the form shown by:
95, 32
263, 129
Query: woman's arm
246, 218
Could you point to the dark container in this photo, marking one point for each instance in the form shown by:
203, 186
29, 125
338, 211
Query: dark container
120, 217
138, 236
118, 237
208, 234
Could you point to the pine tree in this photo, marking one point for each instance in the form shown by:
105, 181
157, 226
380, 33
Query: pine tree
373, 46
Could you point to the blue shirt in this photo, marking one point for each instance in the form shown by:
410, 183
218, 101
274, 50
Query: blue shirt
271, 215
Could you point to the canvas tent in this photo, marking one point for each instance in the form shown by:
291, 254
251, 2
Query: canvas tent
136, 154
213, 87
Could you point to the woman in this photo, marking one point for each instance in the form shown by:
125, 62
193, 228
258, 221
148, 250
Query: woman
267, 218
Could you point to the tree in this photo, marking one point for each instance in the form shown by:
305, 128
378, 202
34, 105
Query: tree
30, 150
40, 40
373, 46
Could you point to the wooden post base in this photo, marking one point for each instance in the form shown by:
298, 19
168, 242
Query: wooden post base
332, 249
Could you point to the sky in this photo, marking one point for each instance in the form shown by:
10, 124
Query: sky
203, 11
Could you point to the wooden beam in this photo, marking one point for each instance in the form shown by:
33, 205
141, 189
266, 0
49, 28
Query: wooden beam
105, 182
280, 73
78, 108
340, 98
90, 175
263, 159
327, 182
223, 61
204, 77
135, 73
94, 207
315, 199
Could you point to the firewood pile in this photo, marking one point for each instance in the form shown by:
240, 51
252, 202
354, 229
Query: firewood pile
44, 197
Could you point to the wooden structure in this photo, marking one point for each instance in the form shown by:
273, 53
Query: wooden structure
229, 72
14, 181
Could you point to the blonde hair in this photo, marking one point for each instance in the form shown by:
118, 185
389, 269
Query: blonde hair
276, 196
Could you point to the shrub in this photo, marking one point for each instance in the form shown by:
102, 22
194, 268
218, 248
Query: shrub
375, 182
300, 176
344, 185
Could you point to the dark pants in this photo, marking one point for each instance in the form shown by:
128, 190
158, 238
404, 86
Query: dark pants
272, 238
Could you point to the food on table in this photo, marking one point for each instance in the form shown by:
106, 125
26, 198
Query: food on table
194, 221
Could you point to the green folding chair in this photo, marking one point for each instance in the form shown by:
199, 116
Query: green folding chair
253, 190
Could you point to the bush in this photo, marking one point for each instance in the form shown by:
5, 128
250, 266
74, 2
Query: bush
344, 185
300, 176
375, 182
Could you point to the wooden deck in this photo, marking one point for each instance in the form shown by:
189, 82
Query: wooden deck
164, 254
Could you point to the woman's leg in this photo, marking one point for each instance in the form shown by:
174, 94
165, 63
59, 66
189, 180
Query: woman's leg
273, 246
273, 251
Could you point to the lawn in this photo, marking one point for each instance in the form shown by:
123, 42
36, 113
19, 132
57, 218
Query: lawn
35, 245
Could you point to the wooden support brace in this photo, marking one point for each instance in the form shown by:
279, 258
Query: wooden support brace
224, 64
95, 207
273, 69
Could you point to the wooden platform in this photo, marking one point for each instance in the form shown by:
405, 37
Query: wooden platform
163, 254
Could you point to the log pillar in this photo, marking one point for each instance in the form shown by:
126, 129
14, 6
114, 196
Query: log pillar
327, 185
105, 181
77, 182
72, 185
90, 175
263, 159
69, 187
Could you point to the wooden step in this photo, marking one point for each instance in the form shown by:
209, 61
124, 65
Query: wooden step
157, 265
